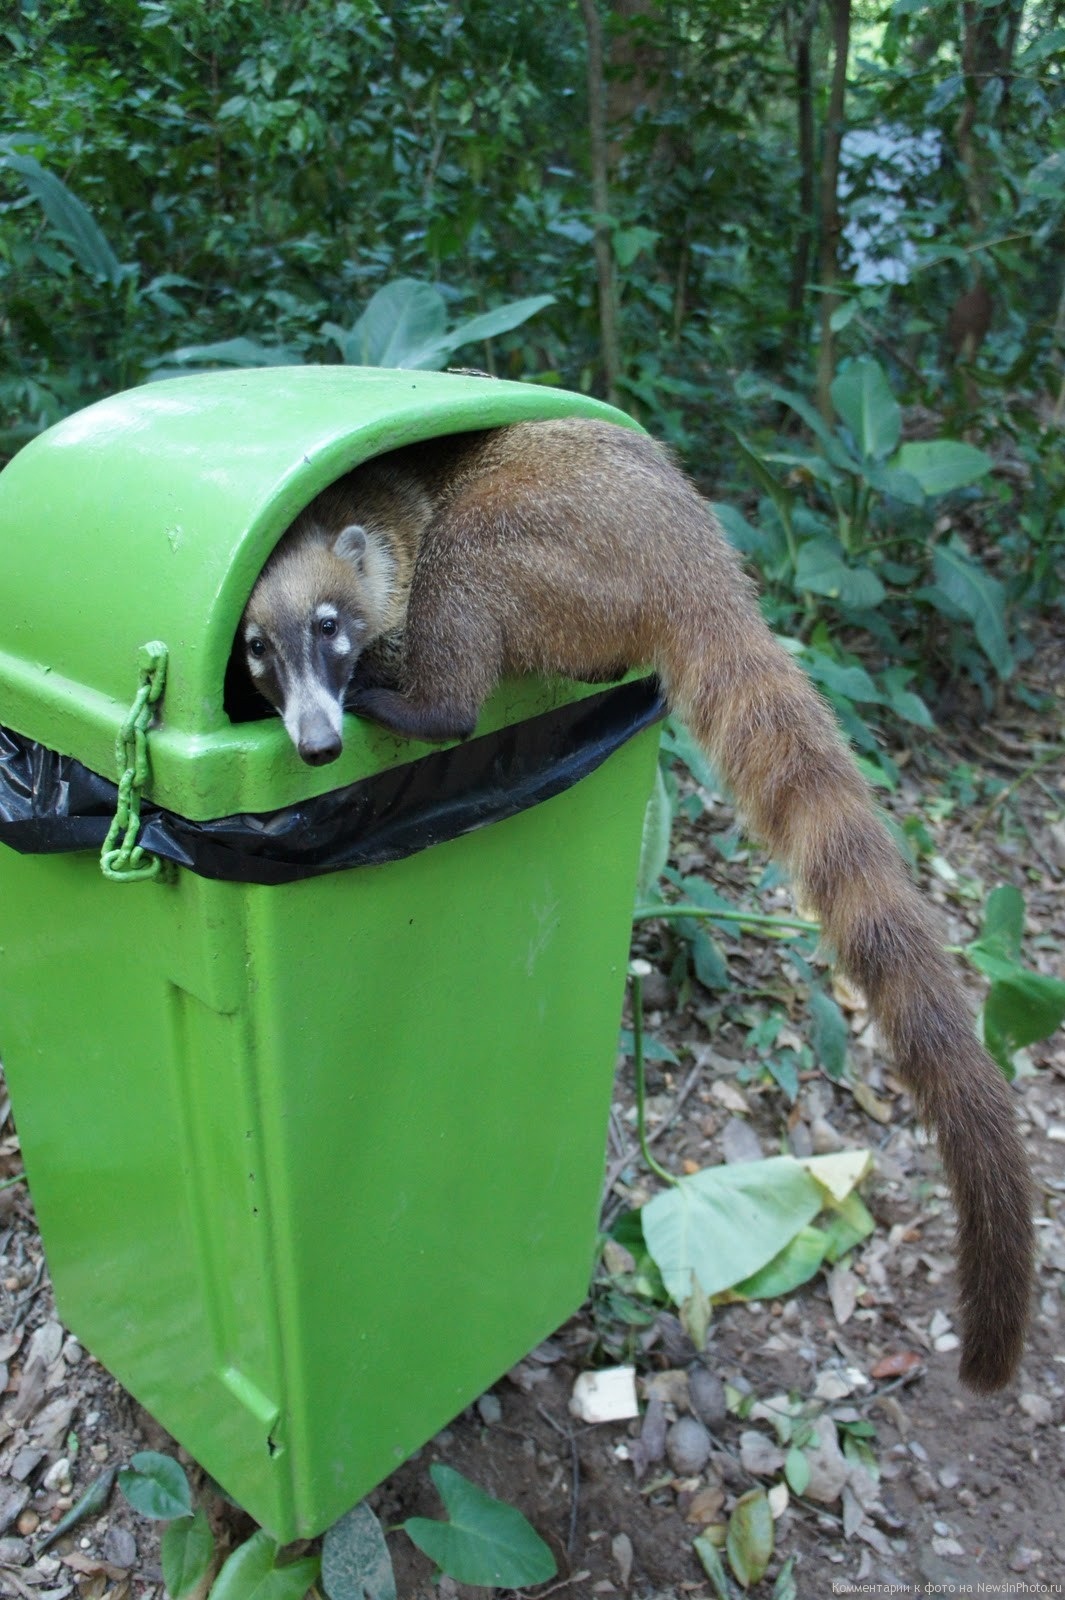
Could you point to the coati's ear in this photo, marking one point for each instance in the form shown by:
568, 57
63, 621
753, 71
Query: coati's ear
351, 544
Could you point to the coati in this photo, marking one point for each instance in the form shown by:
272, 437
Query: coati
578, 548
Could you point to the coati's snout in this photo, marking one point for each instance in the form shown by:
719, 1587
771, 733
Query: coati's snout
303, 666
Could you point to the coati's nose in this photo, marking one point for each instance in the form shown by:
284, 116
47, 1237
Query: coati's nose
318, 752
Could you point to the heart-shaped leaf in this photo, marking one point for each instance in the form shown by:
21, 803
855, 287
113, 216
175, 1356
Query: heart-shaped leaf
484, 1541
156, 1486
356, 1564
252, 1573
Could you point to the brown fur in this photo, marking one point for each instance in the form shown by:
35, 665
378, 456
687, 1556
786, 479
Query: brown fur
571, 547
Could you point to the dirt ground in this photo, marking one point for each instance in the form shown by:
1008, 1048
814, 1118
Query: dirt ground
959, 1491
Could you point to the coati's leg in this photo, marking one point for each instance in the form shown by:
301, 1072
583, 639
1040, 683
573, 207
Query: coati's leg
433, 724
378, 667
452, 657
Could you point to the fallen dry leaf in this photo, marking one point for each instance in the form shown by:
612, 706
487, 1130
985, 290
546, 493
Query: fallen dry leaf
77, 1562
879, 1110
897, 1364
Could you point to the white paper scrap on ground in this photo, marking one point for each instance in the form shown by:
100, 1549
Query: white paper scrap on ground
607, 1396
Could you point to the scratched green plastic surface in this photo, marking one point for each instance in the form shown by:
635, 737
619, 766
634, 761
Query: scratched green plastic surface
313, 1164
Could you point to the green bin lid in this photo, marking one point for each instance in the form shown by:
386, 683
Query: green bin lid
149, 516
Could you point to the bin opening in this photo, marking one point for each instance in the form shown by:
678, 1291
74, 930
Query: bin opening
241, 701
331, 602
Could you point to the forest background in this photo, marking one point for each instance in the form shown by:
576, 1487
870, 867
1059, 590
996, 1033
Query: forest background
729, 205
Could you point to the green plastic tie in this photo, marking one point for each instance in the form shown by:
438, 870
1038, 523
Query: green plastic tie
128, 862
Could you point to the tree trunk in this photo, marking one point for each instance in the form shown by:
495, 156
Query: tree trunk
988, 43
804, 107
634, 79
830, 221
604, 256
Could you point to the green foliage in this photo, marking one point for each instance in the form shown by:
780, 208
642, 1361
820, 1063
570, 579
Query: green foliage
252, 1572
713, 1565
721, 1229
1021, 1006
356, 1564
71, 221
405, 325
856, 538
750, 1537
484, 1541
156, 1486
187, 1552
180, 177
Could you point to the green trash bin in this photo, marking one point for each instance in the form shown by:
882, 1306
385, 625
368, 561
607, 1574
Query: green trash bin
316, 1160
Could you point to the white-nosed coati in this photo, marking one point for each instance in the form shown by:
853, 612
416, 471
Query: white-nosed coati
411, 586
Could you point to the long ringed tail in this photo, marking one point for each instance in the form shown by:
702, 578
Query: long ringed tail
776, 745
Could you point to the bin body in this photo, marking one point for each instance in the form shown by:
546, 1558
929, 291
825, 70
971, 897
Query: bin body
314, 1163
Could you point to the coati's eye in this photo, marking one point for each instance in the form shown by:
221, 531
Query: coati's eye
327, 626
257, 647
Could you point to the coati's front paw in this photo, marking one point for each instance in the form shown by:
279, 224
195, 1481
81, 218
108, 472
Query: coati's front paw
433, 724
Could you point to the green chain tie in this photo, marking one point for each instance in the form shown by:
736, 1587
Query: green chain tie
128, 862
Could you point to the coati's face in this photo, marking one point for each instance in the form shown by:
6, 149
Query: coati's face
314, 609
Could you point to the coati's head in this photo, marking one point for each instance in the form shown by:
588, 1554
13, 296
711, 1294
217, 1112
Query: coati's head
320, 600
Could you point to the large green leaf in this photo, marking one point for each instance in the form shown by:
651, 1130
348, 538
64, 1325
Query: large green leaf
1020, 1008
940, 465
821, 568
355, 1560
72, 220
849, 680
500, 320
747, 387
252, 1573
156, 1486
721, 1225
405, 325
978, 596
400, 326
485, 1541
186, 1553
1003, 928
846, 1225
862, 397
794, 1265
